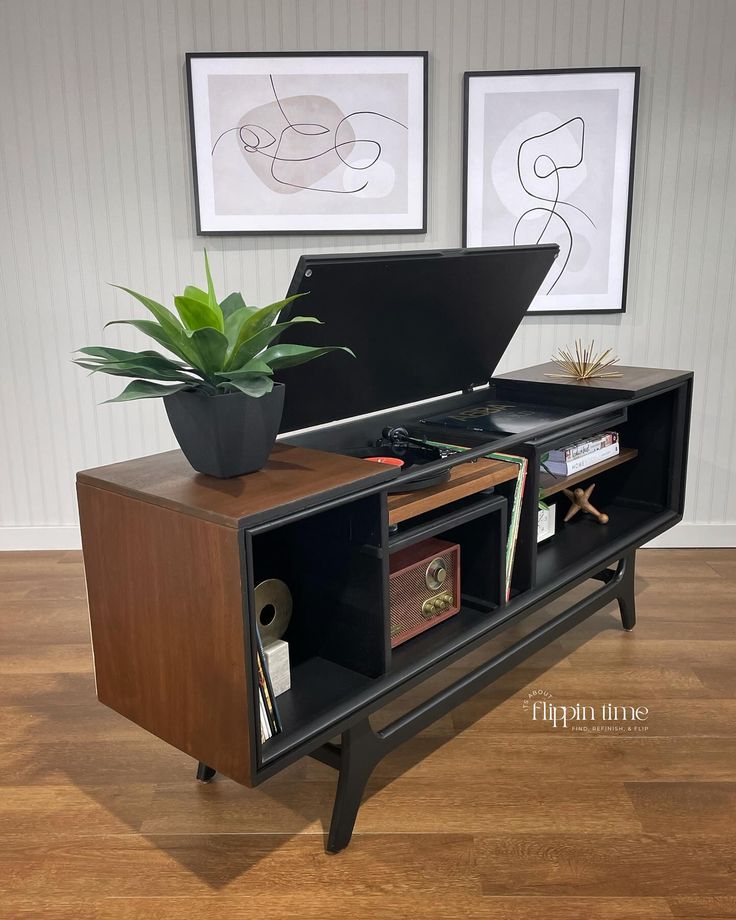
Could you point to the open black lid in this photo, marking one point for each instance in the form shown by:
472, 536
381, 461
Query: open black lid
422, 324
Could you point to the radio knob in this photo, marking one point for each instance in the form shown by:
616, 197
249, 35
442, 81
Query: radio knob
428, 609
439, 603
436, 573
447, 598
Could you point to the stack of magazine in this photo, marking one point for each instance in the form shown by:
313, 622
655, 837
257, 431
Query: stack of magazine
582, 454
269, 717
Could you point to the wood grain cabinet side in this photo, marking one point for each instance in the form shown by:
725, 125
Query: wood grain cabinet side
165, 598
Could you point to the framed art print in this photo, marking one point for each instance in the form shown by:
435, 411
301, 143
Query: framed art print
309, 142
549, 158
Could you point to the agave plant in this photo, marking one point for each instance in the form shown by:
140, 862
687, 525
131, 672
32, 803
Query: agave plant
217, 347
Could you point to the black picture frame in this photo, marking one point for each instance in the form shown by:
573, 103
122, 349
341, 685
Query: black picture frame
624, 191
418, 206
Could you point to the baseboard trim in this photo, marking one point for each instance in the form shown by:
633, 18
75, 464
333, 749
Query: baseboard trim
59, 536
690, 535
66, 536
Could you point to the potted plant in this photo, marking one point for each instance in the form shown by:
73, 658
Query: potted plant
217, 380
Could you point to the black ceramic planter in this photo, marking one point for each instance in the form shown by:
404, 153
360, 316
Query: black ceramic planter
226, 435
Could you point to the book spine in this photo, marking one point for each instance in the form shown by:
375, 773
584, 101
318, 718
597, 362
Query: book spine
515, 518
273, 720
264, 683
266, 731
581, 448
582, 463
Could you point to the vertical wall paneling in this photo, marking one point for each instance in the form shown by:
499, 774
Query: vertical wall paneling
95, 187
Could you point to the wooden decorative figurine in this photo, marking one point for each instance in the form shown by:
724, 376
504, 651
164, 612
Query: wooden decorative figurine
580, 499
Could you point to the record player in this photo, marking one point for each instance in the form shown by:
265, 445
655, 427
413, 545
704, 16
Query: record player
397, 444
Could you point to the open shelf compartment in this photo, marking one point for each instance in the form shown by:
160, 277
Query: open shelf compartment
632, 488
478, 525
550, 485
336, 573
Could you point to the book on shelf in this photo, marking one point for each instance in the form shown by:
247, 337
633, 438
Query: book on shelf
577, 464
268, 710
583, 447
515, 517
266, 731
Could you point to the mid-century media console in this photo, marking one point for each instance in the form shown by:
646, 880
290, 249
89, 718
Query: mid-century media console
172, 558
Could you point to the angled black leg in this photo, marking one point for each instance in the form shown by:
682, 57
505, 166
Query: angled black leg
627, 598
359, 754
361, 748
205, 773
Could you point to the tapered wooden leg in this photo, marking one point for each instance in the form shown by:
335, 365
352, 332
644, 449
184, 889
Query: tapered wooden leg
359, 753
205, 773
627, 598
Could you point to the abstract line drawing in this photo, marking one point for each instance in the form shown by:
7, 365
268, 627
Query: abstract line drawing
257, 139
549, 159
544, 166
309, 143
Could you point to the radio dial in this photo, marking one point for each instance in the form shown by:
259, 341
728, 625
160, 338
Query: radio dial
436, 573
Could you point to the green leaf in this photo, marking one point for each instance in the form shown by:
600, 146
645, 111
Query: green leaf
211, 298
166, 319
256, 322
176, 342
195, 293
211, 347
281, 356
102, 355
256, 366
197, 315
251, 385
234, 322
264, 338
118, 354
141, 369
232, 303
144, 389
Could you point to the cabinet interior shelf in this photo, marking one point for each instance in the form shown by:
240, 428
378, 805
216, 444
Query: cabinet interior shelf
550, 485
465, 479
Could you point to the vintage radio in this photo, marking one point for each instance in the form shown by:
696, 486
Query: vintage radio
424, 587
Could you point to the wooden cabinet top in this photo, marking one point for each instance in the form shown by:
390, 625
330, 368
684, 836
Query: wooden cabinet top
633, 382
294, 479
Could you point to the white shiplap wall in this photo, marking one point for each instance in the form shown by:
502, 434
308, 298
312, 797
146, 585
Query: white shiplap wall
95, 186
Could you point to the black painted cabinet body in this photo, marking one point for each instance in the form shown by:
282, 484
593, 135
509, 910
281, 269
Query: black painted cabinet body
335, 691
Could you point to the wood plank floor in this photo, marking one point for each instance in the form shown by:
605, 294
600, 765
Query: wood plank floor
489, 814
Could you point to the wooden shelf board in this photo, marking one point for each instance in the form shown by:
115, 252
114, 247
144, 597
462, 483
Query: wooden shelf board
550, 486
465, 479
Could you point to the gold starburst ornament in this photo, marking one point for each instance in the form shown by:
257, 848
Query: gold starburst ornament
582, 363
